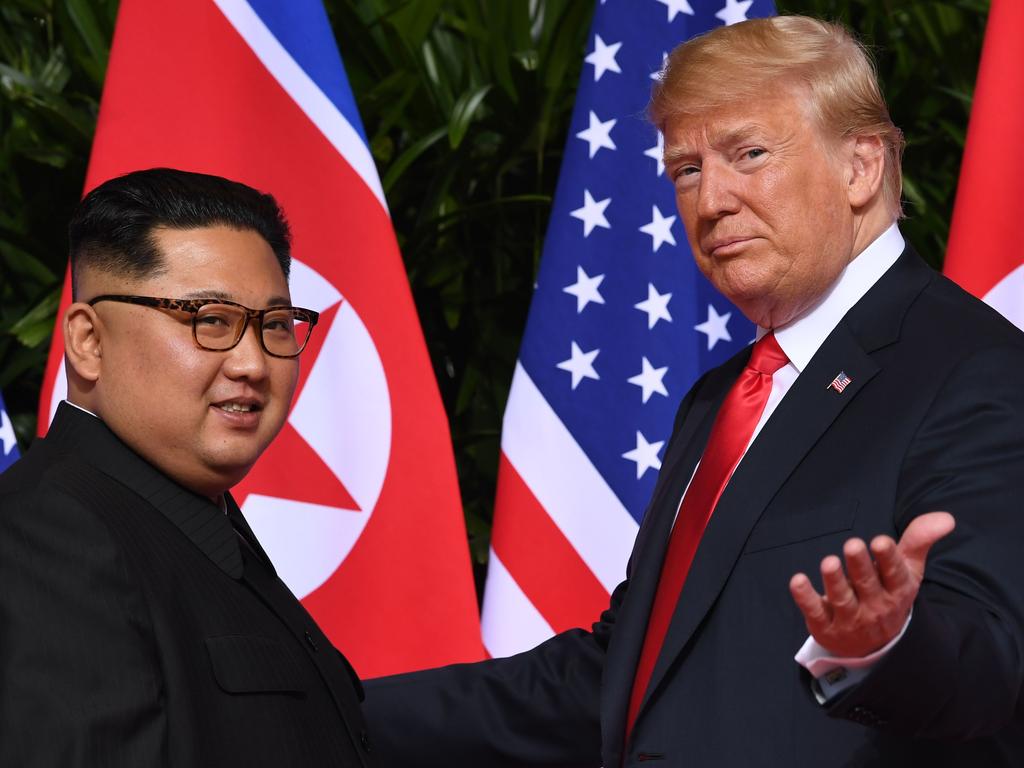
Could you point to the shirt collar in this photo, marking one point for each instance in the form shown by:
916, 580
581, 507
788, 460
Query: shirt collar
83, 410
802, 337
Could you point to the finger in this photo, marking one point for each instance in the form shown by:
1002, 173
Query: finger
892, 565
921, 534
816, 612
862, 571
838, 592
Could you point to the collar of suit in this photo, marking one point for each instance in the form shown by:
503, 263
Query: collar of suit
75, 430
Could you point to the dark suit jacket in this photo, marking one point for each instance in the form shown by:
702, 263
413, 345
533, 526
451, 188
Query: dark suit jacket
138, 629
933, 420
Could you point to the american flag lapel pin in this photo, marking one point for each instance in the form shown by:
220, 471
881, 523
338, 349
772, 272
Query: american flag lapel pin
840, 382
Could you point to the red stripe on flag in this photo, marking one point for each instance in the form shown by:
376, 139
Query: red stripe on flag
986, 241
541, 560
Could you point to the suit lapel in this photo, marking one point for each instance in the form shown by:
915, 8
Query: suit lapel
806, 412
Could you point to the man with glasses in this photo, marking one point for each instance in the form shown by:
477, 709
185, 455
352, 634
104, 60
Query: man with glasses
141, 623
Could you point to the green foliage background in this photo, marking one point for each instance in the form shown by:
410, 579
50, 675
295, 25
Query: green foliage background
467, 105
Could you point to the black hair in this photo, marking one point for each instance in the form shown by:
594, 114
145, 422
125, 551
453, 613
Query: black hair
112, 228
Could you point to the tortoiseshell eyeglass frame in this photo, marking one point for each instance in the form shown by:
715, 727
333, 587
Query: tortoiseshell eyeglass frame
193, 306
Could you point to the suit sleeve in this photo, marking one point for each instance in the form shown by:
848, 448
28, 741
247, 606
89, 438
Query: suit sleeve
538, 708
79, 673
957, 673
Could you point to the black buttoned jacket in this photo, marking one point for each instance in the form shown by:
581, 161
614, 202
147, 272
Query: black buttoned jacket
138, 629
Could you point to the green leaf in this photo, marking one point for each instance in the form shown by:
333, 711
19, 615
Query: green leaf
83, 17
23, 263
409, 156
37, 326
463, 112
415, 19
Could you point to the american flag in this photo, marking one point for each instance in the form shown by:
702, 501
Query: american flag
8, 443
840, 382
620, 326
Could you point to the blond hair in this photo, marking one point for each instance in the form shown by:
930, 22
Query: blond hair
759, 56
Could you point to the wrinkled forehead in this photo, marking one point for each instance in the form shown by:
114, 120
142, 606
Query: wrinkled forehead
767, 117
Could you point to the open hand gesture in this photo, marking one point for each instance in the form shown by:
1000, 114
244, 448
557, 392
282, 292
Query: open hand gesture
866, 607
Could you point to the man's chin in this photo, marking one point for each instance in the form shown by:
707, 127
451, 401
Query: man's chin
227, 470
749, 300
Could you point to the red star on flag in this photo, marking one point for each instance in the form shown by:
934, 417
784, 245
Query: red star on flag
290, 468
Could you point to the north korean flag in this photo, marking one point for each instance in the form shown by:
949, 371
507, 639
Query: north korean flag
986, 240
356, 501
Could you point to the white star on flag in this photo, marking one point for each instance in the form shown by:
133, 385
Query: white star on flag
603, 57
7, 433
650, 380
645, 454
585, 289
734, 11
598, 134
592, 213
659, 228
657, 153
677, 6
715, 327
656, 74
580, 365
655, 305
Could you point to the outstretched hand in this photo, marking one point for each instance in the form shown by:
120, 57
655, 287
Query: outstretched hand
866, 607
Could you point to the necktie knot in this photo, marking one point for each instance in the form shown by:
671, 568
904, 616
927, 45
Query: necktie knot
767, 356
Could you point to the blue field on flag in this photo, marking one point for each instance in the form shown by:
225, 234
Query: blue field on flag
654, 322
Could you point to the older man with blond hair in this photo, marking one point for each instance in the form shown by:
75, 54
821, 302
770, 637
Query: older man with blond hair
872, 437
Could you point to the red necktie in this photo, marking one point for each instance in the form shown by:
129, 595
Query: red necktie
730, 434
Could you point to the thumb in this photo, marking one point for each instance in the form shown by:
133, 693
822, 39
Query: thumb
921, 534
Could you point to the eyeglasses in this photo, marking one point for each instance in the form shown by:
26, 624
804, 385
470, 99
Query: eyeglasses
218, 325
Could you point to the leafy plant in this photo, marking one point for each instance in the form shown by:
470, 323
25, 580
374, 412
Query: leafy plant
52, 61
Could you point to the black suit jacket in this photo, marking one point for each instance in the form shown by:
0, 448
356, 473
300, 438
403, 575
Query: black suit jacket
138, 629
933, 419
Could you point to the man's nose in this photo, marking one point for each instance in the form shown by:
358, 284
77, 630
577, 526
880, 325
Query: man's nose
716, 196
247, 359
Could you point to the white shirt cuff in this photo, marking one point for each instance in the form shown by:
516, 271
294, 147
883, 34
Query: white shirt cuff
835, 674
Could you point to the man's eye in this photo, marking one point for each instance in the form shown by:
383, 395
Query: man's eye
754, 153
212, 319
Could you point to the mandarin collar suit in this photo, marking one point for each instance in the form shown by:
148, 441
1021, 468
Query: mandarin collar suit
139, 627
933, 418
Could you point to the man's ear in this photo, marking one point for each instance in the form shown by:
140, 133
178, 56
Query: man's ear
866, 170
82, 341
